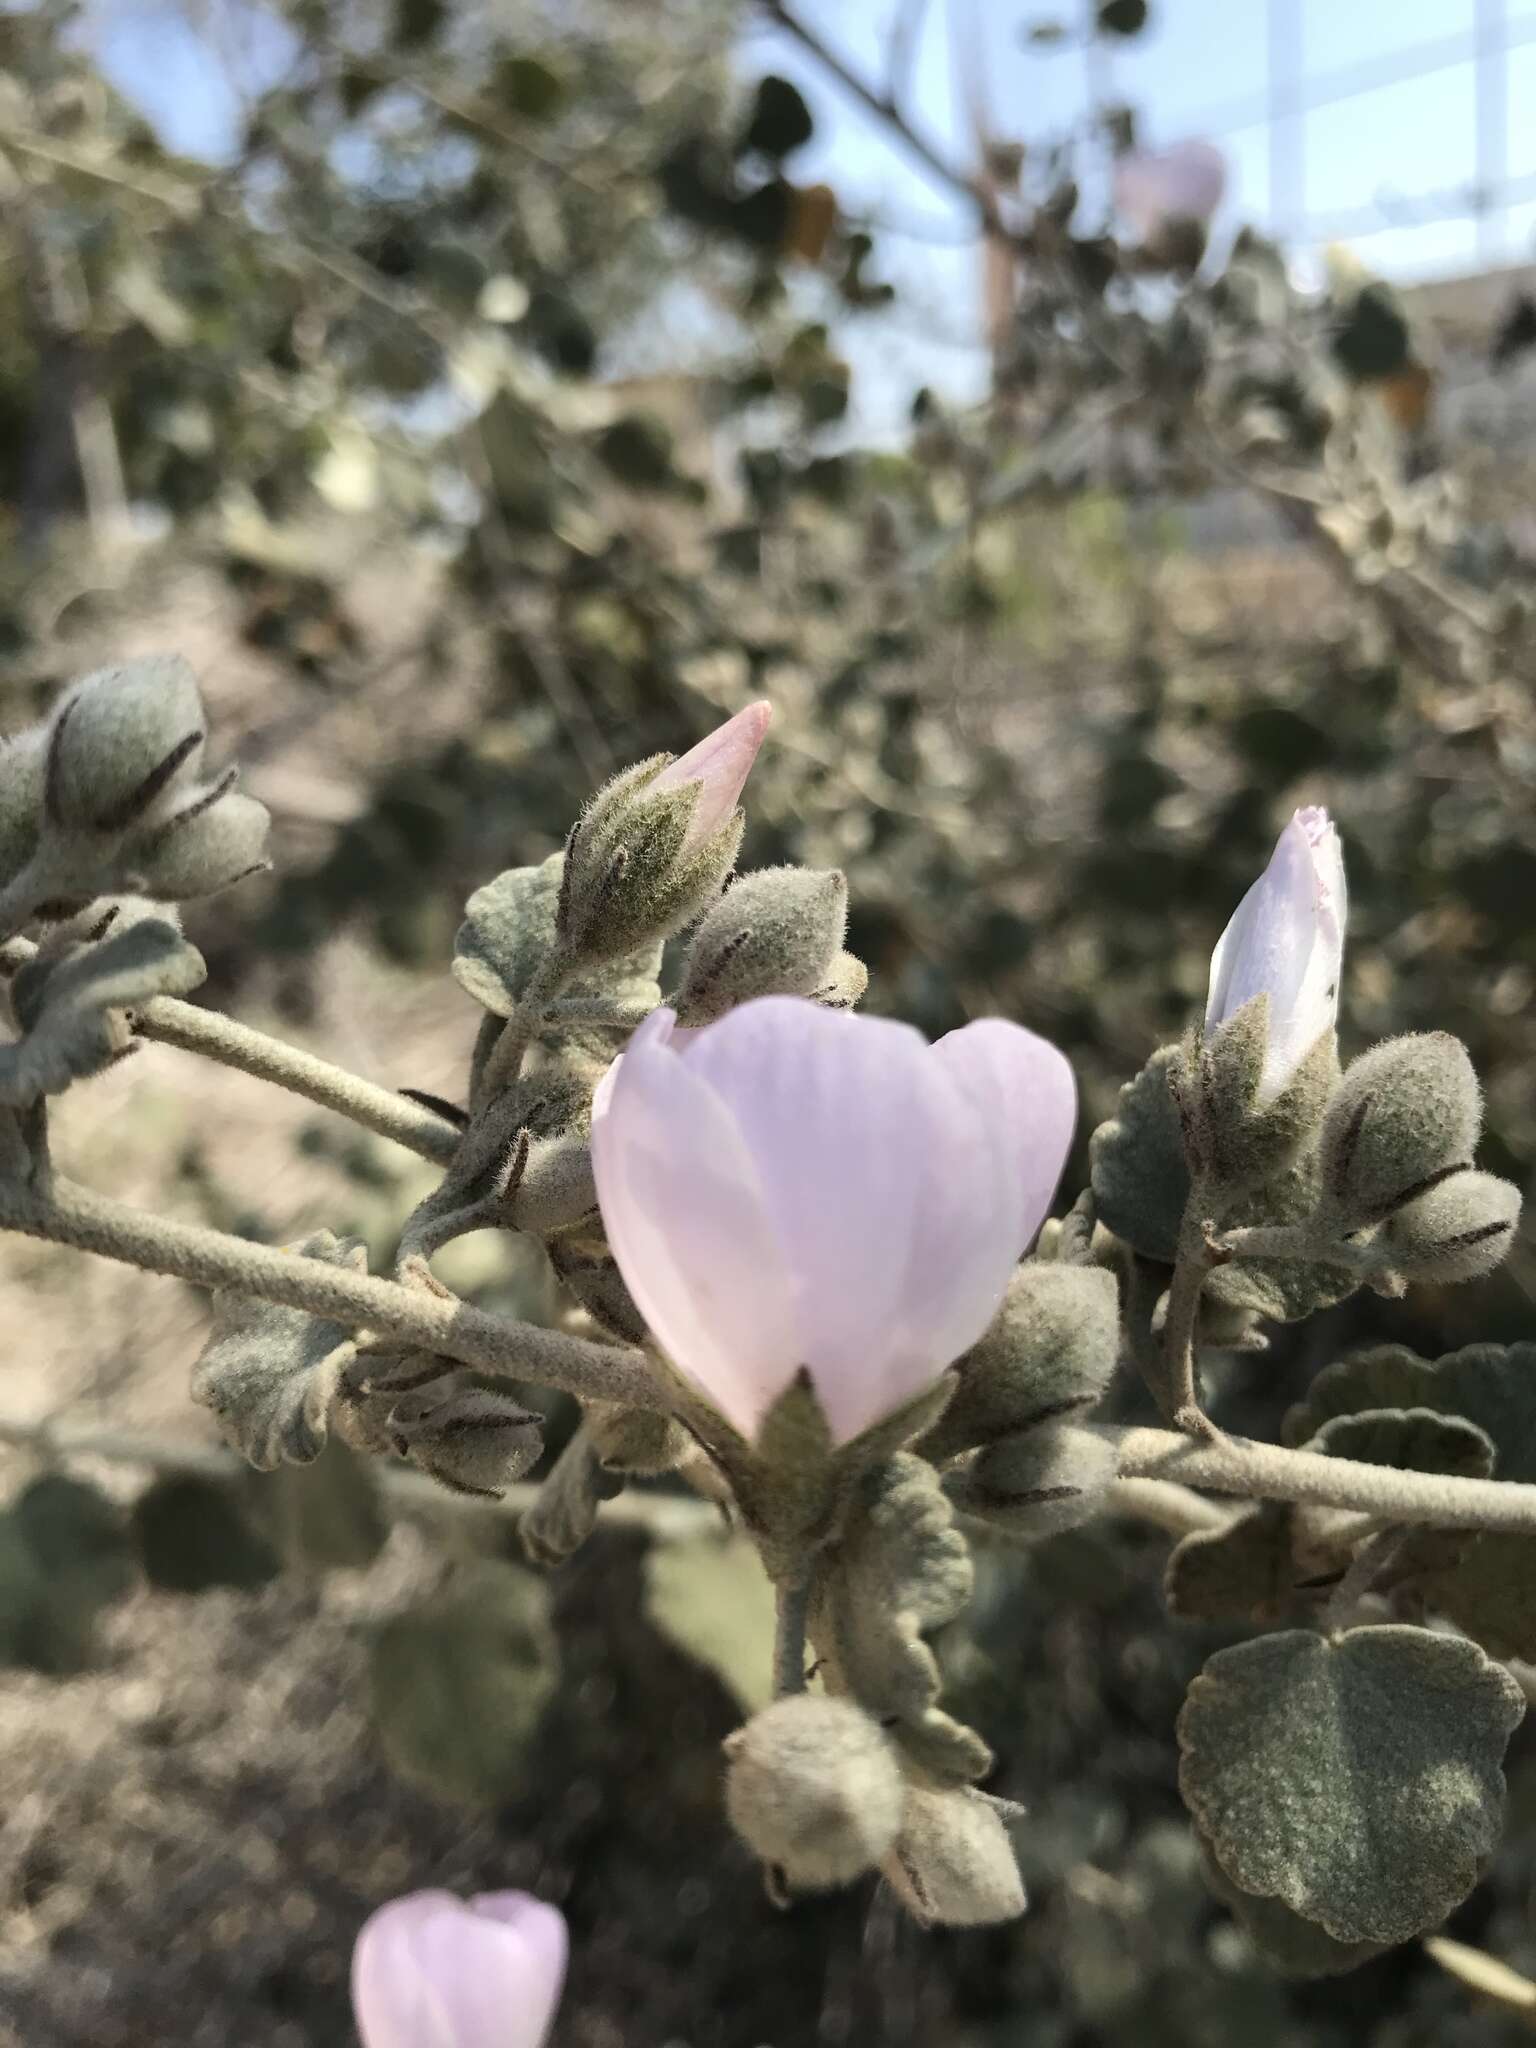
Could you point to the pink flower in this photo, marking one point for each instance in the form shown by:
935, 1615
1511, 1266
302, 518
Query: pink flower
1285, 940
1156, 186
794, 1186
430, 1971
721, 764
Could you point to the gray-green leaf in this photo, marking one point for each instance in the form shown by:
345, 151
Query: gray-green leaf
71, 1004
1357, 1780
270, 1373
901, 1570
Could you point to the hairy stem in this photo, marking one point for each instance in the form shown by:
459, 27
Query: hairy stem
1296, 1241
94, 1223
501, 1070
1181, 1389
1367, 1565
217, 1037
1237, 1465
1177, 1509
793, 1598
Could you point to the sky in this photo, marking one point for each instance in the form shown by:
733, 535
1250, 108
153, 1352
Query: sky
1366, 167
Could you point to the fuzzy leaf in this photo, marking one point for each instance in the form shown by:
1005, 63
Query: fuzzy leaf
712, 1598
1356, 1779
565, 1513
509, 931
901, 1570
1293, 1946
459, 1683
1244, 1572
1414, 1440
1490, 1589
269, 1373
70, 1004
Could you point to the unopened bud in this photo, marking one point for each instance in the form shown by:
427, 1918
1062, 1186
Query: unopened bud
1404, 1112
814, 1789
22, 764
778, 931
1238, 1136
953, 1864
654, 846
123, 743
634, 1441
1458, 1230
1039, 1483
846, 981
474, 1441
1051, 1350
205, 848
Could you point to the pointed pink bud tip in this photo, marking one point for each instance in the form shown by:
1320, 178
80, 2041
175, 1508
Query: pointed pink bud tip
720, 764
485, 1973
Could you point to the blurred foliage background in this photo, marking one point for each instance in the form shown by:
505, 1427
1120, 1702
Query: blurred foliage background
483, 421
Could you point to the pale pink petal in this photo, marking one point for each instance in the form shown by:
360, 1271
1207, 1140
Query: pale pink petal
721, 763
1286, 940
845, 1125
683, 1206
429, 1971
1025, 1100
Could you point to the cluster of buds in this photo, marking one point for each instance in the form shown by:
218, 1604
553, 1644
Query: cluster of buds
108, 797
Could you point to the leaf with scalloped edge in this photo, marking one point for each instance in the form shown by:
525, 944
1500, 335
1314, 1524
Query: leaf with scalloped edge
72, 1004
901, 1570
509, 931
1357, 1779
270, 1373
1490, 1589
1288, 1943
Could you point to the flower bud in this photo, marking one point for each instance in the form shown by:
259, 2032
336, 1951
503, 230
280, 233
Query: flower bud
205, 848
655, 844
22, 765
776, 932
1051, 1349
123, 743
814, 1789
1460, 1229
846, 981
1039, 1483
481, 1973
475, 1440
1285, 941
1404, 1112
953, 1864
1168, 196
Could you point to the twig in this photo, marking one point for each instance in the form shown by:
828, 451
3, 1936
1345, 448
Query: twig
793, 1600
440, 1323
1177, 1509
1254, 1471
172, 1022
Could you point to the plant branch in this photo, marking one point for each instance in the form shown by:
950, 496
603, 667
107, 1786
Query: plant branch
501, 1070
421, 1130
1181, 1391
793, 1600
73, 1216
1255, 1471
884, 108
1164, 1505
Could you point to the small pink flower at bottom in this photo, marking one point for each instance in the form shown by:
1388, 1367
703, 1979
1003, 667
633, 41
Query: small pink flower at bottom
434, 1971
